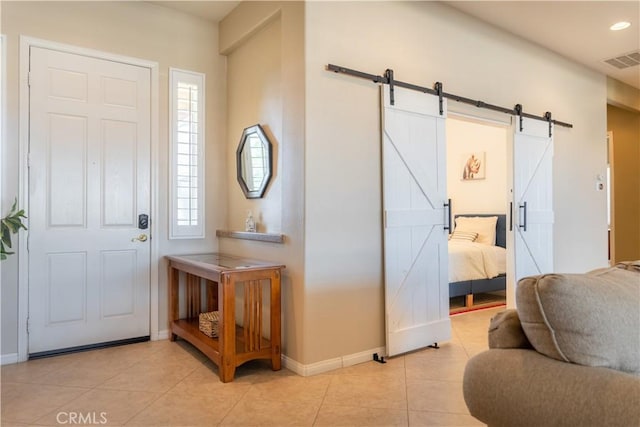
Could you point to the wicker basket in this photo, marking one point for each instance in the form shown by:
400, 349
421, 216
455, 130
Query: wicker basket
209, 323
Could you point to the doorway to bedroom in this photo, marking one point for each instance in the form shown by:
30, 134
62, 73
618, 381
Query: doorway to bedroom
477, 186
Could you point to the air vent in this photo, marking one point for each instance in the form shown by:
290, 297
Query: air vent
625, 61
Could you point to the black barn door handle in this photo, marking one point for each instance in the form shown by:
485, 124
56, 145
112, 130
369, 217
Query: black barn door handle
524, 216
448, 227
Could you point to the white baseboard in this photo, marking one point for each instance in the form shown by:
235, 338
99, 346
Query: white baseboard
162, 335
312, 369
330, 364
8, 359
363, 356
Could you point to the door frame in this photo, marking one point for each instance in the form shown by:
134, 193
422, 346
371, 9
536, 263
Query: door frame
26, 43
610, 199
493, 118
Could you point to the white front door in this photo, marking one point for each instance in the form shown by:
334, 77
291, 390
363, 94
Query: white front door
415, 241
532, 198
89, 180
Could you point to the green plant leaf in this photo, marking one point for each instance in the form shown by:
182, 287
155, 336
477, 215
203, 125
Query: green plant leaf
14, 223
10, 224
6, 235
3, 250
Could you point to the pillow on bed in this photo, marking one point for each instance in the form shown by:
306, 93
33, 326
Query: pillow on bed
466, 236
485, 226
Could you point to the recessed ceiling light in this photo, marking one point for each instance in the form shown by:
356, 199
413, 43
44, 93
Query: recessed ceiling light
620, 26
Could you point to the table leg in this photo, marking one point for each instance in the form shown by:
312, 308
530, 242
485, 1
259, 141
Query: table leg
275, 321
174, 282
227, 341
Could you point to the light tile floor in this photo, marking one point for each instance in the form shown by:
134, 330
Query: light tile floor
171, 384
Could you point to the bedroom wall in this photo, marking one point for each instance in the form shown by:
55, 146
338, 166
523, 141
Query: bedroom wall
423, 42
486, 195
137, 29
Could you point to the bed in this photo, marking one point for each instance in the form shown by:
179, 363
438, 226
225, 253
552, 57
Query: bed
477, 266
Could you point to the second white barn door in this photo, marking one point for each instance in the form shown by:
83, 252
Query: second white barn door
415, 241
89, 180
532, 198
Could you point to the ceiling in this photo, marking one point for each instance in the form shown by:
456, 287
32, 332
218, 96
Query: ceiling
212, 11
578, 30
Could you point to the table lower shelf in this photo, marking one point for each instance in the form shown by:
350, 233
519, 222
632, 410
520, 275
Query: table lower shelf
188, 329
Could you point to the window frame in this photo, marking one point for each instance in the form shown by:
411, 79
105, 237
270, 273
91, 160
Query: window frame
176, 230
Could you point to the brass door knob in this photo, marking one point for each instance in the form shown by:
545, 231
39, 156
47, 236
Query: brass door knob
140, 238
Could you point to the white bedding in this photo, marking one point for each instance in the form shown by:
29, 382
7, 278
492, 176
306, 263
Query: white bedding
471, 261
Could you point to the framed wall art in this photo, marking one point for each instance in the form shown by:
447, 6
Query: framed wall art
473, 166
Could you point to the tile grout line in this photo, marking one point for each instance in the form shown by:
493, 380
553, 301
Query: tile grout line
160, 395
89, 389
235, 404
324, 396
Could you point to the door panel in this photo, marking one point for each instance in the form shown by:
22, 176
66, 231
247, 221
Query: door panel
119, 160
89, 179
66, 163
67, 287
533, 185
415, 245
118, 283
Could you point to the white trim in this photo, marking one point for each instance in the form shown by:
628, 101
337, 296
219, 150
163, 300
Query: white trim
23, 199
155, 209
481, 115
610, 205
23, 266
161, 335
330, 364
312, 369
363, 356
3, 104
9, 359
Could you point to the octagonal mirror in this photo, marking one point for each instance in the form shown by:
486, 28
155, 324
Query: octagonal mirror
253, 162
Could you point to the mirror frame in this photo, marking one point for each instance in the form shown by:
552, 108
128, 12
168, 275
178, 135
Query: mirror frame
258, 193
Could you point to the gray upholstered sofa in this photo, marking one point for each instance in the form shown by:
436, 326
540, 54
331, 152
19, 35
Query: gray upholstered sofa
569, 355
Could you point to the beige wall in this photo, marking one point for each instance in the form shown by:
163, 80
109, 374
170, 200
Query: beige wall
625, 212
622, 95
135, 29
423, 42
264, 43
326, 131
254, 89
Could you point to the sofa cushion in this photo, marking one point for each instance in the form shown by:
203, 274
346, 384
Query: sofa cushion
513, 387
505, 331
591, 319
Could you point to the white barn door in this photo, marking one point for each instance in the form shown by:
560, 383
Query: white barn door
415, 241
89, 180
532, 198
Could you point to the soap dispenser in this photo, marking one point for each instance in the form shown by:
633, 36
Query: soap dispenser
250, 224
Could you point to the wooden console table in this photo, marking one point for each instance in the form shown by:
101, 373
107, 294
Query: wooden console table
235, 344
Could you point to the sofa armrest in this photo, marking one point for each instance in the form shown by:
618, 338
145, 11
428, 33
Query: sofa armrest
511, 387
505, 331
